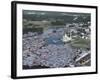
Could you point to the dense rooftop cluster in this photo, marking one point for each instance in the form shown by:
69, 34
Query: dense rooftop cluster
48, 49
37, 50
56, 39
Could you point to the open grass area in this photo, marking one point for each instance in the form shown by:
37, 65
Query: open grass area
80, 43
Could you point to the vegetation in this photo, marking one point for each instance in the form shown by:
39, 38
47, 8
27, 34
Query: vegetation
81, 43
56, 18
